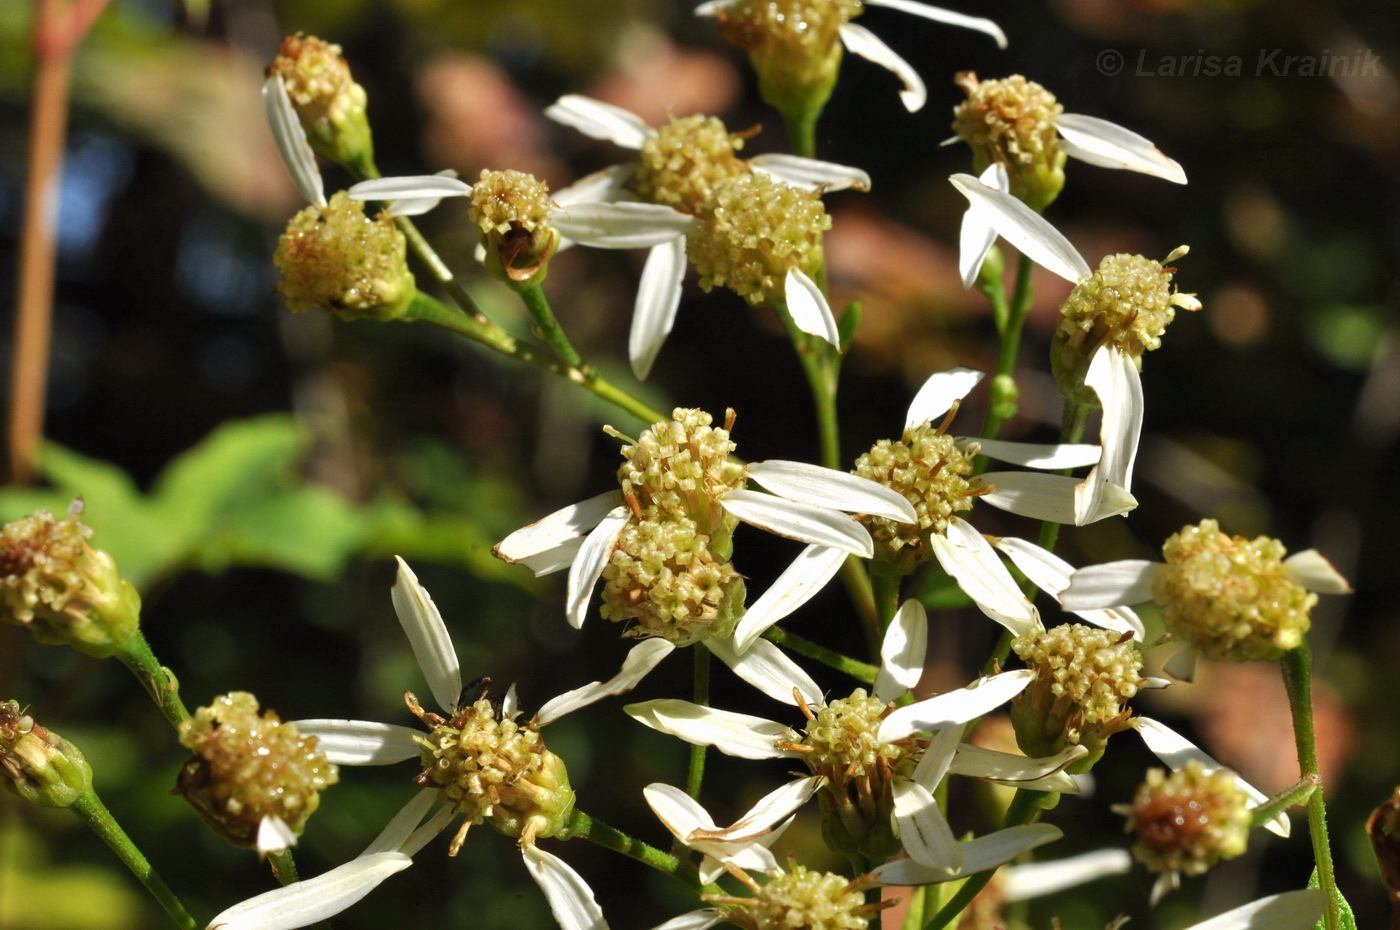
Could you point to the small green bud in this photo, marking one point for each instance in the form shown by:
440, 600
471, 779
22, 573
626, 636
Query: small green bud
246, 767
512, 210
56, 585
1189, 820
1003, 396
327, 99
38, 764
683, 161
1012, 122
340, 260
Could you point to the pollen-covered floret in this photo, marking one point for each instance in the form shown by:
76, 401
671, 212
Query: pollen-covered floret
1231, 597
928, 468
683, 161
754, 230
502, 200
794, 45
1189, 820
329, 103
1011, 122
842, 738
341, 260
682, 468
248, 766
805, 899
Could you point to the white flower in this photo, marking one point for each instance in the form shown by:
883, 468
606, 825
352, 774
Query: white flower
866, 44
659, 294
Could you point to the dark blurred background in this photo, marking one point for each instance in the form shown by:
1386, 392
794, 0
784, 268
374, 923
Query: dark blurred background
1275, 408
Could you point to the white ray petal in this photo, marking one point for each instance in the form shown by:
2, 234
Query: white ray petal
290, 137
702, 919
809, 173
1024, 228
417, 206
808, 307
740, 735
1108, 145
425, 834
954, 708
1114, 377
1292, 910
979, 855
641, 659
553, 560
620, 225
1051, 574
801, 522
303, 903
1112, 583
274, 835
570, 899
362, 742
923, 830
763, 817
658, 297
403, 824
677, 811
827, 487
976, 236
1009, 767
867, 45
412, 187
965, 554
1032, 494
799, 582
902, 651
427, 634
1182, 665
937, 759
947, 17
1176, 750
606, 186
587, 567
938, 394
768, 669
510, 704
713, 7
1311, 569
600, 120
557, 528
1038, 879
1046, 456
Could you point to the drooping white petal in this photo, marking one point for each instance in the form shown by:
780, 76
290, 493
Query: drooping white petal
1024, 228
303, 903
588, 565
1110, 584
658, 297
808, 307
605, 186
1010, 767
809, 173
274, 835
976, 236
1176, 750
1032, 494
620, 225
763, 817
827, 487
801, 522
954, 708
768, 669
1182, 665
402, 825
1020, 882
948, 17
570, 899
1051, 574
412, 187
965, 554
1108, 145
1114, 377
702, 919
902, 651
741, 735
938, 394
923, 830
553, 560
556, 529
641, 659
291, 141
362, 742
979, 855
416, 206
600, 120
1311, 569
799, 582
867, 45
1292, 910
427, 634
1047, 456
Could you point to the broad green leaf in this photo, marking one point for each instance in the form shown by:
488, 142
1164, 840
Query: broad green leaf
401, 529
308, 530
1348, 918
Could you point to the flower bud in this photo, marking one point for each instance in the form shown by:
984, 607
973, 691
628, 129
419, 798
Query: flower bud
1012, 122
1189, 820
327, 99
1082, 677
683, 161
512, 210
340, 260
1230, 597
61, 589
247, 767
38, 764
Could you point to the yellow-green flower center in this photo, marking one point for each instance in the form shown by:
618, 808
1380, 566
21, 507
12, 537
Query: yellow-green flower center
684, 160
804, 899
841, 738
928, 468
1189, 820
1012, 122
682, 469
330, 105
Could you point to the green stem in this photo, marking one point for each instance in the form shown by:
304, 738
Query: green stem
1023, 809
801, 122
284, 866
1297, 679
158, 680
1003, 405
860, 671
95, 814
702, 699
1297, 794
585, 827
547, 326
886, 588
428, 310
862, 594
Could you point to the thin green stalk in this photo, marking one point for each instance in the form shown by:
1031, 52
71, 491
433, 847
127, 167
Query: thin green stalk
284, 866
1297, 679
886, 588
585, 827
702, 698
1003, 405
547, 326
858, 670
159, 681
801, 125
95, 814
1296, 794
428, 310
862, 594
1023, 809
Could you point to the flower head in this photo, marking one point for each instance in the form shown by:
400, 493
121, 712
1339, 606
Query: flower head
682, 162
37, 764
512, 210
328, 102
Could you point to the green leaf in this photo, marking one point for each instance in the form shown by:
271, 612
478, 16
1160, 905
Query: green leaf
1348, 918
447, 538
309, 530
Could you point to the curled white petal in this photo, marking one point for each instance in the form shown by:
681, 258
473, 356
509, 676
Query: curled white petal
290, 137
938, 394
1024, 228
1051, 574
432, 646
902, 651
976, 236
1037, 879
1032, 494
620, 225
801, 522
658, 298
768, 669
361, 742
600, 120
947, 17
965, 554
954, 708
799, 582
303, 903
1112, 583
808, 307
570, 899
1311, 569
1114, 377
827, 487
641, 659
809, 173
587, 567
553, 560
764, 816
867, 45
1108, 145
741, 735
557, 528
